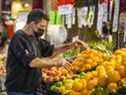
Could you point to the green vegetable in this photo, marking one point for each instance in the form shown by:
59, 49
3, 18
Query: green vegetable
55, 86
71, 53
99, 90
82, 74
104, 46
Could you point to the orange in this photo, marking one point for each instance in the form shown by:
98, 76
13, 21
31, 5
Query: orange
121, 69
114, 76
92, 83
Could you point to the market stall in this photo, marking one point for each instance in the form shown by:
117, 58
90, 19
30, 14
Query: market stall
92, 72
96, 68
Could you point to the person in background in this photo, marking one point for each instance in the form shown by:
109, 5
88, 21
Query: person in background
27, 55
3, 34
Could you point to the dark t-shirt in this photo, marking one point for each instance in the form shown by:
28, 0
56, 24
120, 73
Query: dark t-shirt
22, 50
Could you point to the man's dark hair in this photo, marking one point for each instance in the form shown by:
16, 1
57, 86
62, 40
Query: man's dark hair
37, 15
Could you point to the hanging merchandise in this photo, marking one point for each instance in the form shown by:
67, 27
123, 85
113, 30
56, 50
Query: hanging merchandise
70, 18
82, 12
122, 24
116, 15
82, 16
67, 11
59, 36
51, 17
91, 15
100, 17
58, 18
55, 17
73, 16
105, 9
86, 14
102, 14
110, 9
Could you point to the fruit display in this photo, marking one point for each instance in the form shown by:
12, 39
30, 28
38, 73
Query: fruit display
87, 60
55, 74
103, 45
108, 77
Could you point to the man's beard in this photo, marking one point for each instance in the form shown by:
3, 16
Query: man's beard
39, 33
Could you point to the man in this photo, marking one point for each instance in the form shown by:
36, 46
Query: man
25, 56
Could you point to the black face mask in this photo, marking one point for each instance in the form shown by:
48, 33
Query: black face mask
39, 33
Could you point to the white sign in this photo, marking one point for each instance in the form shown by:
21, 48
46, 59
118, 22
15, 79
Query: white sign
65, 9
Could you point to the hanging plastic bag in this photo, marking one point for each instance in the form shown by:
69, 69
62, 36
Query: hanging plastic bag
91, 16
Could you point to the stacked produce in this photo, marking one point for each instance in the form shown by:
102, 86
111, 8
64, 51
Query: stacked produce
108, 77
52, 74
88, 60
56, 74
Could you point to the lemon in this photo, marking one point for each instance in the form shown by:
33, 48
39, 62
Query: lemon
68, 83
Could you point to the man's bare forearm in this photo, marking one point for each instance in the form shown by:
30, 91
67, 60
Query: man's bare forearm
42, 63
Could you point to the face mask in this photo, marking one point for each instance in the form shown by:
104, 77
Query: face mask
39, 33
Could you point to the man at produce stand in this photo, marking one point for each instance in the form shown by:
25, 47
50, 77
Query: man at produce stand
26, 57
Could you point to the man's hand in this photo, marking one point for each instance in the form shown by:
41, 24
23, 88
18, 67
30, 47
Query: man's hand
61, 62
79, 43
36, 63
